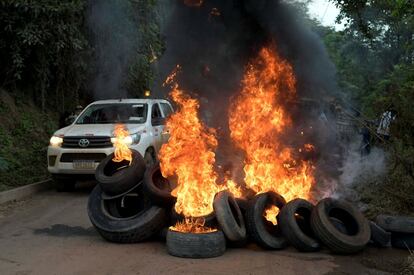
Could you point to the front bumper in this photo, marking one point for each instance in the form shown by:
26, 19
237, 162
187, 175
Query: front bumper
57, 166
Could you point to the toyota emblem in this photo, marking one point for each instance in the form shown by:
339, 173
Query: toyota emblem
83, 142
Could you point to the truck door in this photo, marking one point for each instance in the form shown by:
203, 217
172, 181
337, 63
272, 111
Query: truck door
157, 125
166, 111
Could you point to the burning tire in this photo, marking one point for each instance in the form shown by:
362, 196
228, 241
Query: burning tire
379, 236
209, 220
402, 240
129, 219
196, 245
119, 177
356, 224
259, 229
399, 224
158, 187
229, 216
294, 220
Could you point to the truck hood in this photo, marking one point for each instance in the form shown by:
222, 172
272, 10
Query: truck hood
96, 129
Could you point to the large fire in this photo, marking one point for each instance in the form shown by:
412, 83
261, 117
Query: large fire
122, 137
257, 119
189, 155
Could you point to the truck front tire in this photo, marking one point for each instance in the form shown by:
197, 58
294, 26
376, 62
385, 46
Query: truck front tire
63, 184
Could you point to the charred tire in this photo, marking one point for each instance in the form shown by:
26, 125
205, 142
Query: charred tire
401, 224
261, 231
402, 240
229, 216
158, 187
147, 222
115, 182
356, 224
192, 245
379, 236
294, 220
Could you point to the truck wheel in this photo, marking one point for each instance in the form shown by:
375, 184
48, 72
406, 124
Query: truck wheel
124, 224
63, 184
118, 177
358, 229
149, 158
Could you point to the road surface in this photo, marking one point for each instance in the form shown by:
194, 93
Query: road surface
50, 233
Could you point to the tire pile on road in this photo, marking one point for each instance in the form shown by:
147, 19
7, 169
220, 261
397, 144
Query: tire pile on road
134, 203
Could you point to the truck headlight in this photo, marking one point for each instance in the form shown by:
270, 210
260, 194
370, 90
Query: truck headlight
129, 140
56, 141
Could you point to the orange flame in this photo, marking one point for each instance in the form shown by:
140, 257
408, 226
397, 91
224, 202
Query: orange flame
257, 119
122, 152
189, 155
194, 225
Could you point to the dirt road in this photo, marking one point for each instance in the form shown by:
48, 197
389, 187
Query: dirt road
50, 233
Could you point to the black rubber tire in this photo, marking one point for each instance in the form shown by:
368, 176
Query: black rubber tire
297, 228
124, 230
229, 216
158, 188
191, 245
357, 226
339, 225
243, 204
258, 228
400, 224
64, 184
379, 237
114, 183
149, 158
402, 240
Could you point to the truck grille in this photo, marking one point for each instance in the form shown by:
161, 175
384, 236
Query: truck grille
93, 142
70, 157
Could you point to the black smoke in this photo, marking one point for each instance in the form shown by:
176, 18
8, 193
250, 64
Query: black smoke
214, 48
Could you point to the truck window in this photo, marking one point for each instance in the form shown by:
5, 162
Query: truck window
114, 113
166, 109
156, 117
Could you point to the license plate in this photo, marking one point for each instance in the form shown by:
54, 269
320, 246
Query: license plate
84, 164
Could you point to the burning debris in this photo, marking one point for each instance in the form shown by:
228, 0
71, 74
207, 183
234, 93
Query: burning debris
189, 155
258, 119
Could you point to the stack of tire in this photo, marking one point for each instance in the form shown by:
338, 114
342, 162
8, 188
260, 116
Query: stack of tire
400, 230
118, 206
333, 223
132, 203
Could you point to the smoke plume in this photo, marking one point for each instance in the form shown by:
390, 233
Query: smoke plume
114, 38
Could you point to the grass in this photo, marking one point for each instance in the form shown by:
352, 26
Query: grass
408, 266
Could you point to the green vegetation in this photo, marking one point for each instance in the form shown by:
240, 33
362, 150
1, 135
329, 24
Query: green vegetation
375, 60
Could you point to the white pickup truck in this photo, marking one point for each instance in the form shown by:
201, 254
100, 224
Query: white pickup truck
75, 151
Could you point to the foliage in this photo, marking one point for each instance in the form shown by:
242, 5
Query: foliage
42, 49
375, 60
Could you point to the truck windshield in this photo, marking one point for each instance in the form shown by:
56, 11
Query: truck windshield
114, 113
